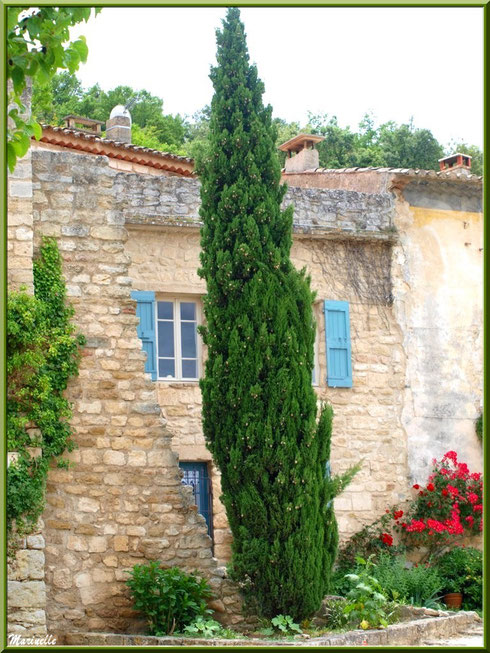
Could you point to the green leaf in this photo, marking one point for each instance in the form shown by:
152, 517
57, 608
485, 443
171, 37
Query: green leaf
37, 130
18, 79
21, 144
11, 157
81, 47
12, 17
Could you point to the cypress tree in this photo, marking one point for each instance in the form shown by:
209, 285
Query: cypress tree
259, 407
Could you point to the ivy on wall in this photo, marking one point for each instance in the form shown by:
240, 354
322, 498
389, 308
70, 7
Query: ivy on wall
43, 353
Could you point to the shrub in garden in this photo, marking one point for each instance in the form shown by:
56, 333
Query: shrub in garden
367, 606
170, 599
259, 406
419, 584
448, 506
461, 570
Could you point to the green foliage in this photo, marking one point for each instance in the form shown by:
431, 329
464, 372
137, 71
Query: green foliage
417, 585
37, 46
202, 627
285, 625
259, 406
367, 606
63, 94
479, 428
170, 599
366, 542
335, 617
461, 570
43, 353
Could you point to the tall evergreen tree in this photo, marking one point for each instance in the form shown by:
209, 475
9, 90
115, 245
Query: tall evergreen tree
259, 407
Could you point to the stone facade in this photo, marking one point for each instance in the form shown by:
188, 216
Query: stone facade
121, 502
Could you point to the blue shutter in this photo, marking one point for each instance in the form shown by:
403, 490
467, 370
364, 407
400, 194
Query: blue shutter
337, 335
145, 310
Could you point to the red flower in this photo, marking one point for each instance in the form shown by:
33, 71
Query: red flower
452, 455
416, 486
444, 471
454, 490
472, 498
444, 493
470, 519
397, 514
478, 507
387, 539
431, 487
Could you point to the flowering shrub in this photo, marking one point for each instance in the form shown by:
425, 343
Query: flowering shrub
449, 505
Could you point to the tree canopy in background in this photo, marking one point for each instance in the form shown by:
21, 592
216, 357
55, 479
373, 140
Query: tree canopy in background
388, 144
38, 44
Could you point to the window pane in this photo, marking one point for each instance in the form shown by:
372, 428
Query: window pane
166, 339
165, 310
189, 369
166, 367
187, 311
188, 334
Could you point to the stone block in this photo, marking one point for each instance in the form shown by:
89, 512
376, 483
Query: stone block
120, 543
88, 505
35, 542
26, 594
114, 458
97, 544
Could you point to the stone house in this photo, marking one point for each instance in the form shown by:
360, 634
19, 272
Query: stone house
396, 259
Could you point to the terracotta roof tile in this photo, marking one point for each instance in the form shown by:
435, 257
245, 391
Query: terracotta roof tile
409, 172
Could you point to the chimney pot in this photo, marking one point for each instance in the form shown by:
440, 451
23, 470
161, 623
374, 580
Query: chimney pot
118, 127
457, 161
305, 157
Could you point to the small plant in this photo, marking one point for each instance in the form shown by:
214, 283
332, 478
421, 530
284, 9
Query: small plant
202, 627
461, 571
367, 606
170, 599
335, 617
286, 625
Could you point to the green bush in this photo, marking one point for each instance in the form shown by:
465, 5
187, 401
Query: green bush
170, 599
367, 606
419, 585
461, 570
203, 627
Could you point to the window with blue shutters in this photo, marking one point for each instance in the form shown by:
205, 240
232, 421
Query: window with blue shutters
145, 310
177, 340
337, 336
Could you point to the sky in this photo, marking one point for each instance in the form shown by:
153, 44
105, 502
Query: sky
396, 62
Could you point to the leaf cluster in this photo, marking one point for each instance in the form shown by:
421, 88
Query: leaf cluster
170, 599
38, 44
461, 570
367, 606
43, 353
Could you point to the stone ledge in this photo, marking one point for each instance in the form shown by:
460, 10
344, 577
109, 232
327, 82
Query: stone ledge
410, 633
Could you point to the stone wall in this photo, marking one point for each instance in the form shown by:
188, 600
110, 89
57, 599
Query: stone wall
174, 201
121, 502
367, 419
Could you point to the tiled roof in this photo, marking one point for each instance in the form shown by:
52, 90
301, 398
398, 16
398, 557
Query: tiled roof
95, 144
409, 172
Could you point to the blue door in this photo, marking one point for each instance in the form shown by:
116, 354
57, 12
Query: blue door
196, 475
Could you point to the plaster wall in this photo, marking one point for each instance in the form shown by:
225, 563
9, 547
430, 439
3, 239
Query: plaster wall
438, 285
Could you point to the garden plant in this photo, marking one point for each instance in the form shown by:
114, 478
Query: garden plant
170, 599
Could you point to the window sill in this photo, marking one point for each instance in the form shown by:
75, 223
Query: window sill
179, 383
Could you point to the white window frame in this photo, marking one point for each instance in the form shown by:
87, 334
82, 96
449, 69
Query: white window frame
176, 301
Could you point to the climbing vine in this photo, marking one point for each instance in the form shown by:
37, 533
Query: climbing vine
43, 352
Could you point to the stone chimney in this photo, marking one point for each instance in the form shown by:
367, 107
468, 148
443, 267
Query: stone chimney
458, 161
301, 153
118, 127
87, 125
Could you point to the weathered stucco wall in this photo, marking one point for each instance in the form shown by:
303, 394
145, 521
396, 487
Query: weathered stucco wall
438, 279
